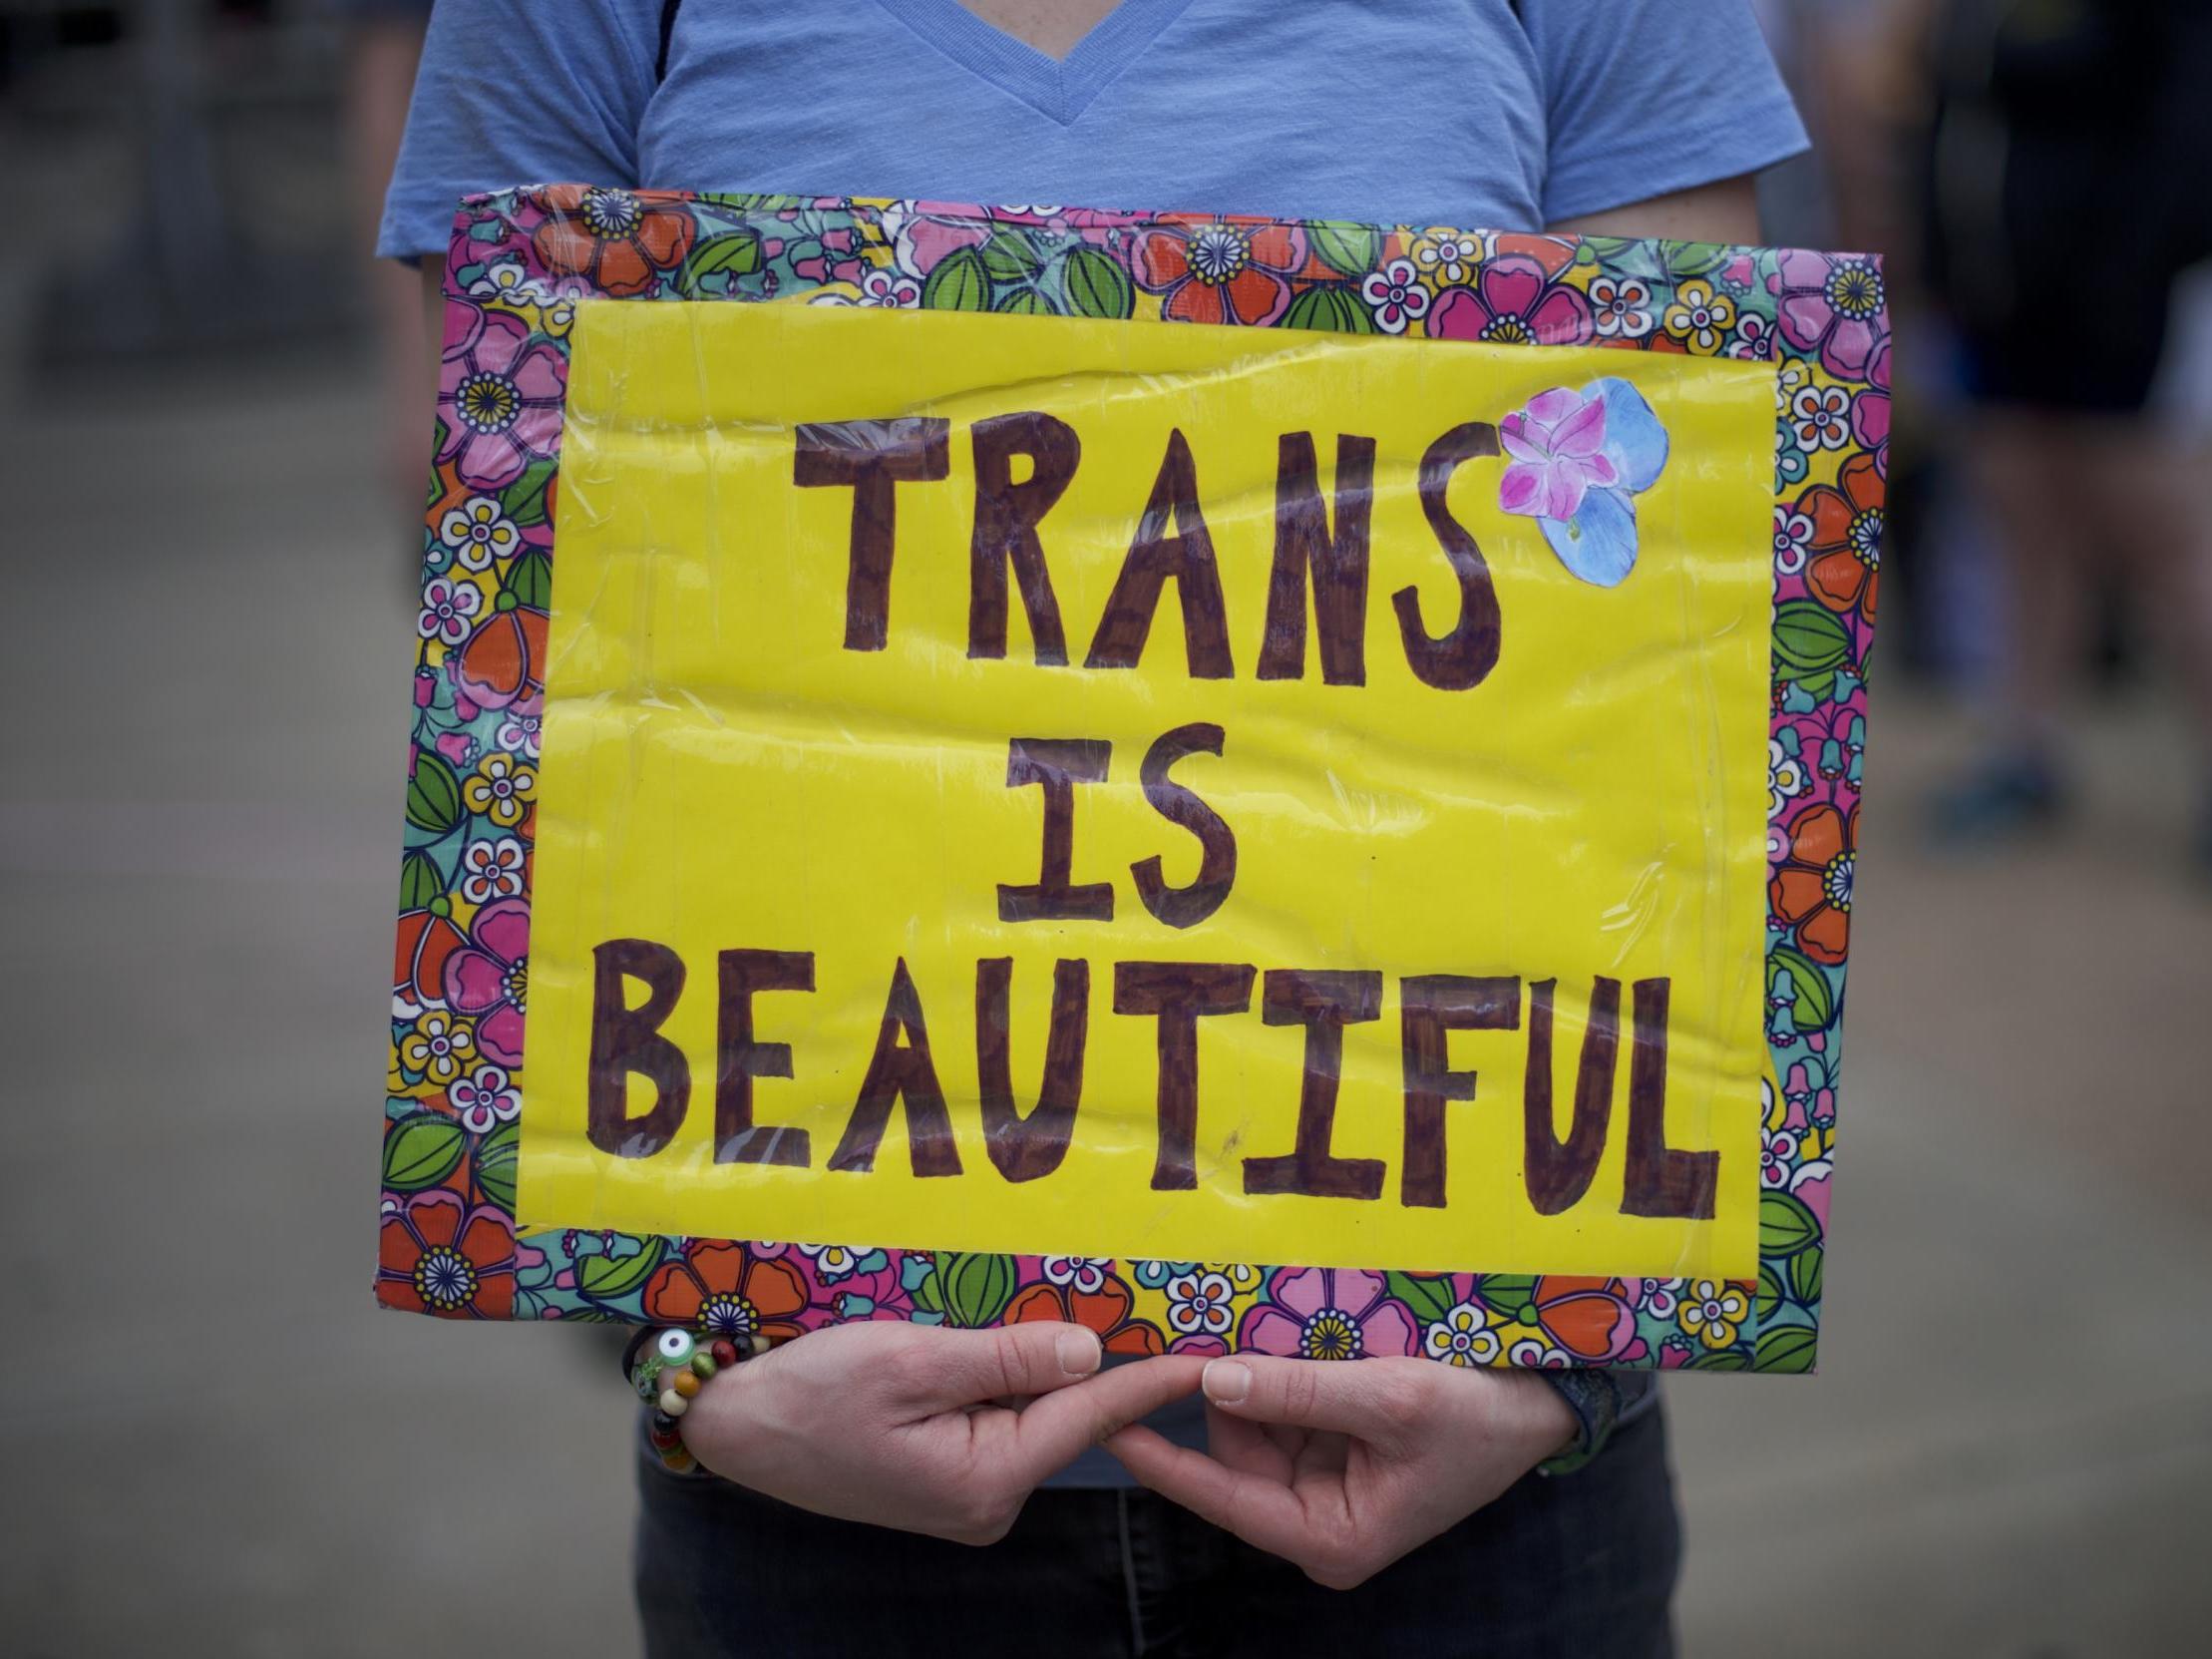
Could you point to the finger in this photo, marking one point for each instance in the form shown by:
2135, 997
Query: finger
1265, 1513
1374, 1399
1324, 1456
1054, 1431
945, 1370
1247, 1448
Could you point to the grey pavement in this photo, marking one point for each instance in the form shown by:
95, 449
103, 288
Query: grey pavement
213, 1443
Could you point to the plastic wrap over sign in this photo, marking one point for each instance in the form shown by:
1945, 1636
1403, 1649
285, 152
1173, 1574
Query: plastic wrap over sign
1017, 783
1083, 808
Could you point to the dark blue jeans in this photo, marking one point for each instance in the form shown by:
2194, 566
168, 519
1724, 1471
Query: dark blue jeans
1579, 1565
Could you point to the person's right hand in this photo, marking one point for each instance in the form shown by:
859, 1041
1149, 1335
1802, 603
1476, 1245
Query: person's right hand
920, 1428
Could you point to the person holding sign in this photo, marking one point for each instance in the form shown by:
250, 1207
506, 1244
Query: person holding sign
1173, 1504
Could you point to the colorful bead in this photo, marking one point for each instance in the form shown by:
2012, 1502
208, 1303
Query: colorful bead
662, 1423
674, 1346
703, 1364
724, 1352
673, 1402
661, 1442
685, 1383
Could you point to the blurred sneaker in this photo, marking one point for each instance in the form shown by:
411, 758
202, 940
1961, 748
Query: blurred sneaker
2008, 798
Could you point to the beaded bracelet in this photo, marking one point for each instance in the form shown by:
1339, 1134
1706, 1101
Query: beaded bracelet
1594, 1399
685, 1363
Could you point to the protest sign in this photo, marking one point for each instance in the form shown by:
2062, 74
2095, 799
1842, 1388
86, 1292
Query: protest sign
1092, 809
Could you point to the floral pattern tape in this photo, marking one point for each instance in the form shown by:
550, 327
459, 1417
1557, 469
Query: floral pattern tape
456, 1090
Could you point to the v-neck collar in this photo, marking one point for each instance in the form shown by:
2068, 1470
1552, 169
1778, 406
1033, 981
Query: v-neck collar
1060, 89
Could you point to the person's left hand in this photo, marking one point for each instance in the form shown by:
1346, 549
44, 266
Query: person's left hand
1342, 1469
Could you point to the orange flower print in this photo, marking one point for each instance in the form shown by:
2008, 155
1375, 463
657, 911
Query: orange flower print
612, 239
1227, 269
436, 1254
1811, 887
1589, 1318
503, 664
1845, 554
724, 1290
1104, 1309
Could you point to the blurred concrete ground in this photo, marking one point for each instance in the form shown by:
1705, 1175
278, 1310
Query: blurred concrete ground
205, 636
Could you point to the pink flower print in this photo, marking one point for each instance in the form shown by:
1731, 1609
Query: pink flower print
487, 978
889, 290
1836, 307
1755, 340
447, 607
1534, 1353
1793, 539
1556, 445
1513, 302
1870, 414
519, 733
1809, 1104
1777, 1152
1324, 1313
1395, 295
1087, 1274
457, 747
500, 399
485, 1099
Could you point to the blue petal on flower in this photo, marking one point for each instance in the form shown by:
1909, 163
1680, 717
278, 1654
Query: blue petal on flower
1635, 443
1598, 543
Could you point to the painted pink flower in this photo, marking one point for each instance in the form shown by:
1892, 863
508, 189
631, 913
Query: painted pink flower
1325, 1313
1836, 307
1556, 445
501, 398
487, 979
1514, 302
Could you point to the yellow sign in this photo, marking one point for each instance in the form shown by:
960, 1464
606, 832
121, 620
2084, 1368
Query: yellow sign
1038, 785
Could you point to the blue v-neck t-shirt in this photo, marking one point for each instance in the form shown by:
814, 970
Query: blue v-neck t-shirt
1480, 114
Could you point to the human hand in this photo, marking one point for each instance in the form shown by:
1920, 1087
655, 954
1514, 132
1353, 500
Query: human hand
896, 1425
1342, 1469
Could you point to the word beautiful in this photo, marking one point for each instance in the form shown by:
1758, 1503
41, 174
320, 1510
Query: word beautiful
872, 457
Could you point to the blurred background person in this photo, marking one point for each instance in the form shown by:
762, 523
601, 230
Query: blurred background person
2064, 166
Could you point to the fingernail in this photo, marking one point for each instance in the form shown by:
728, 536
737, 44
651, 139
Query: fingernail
1078, 1351
1226, 1381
